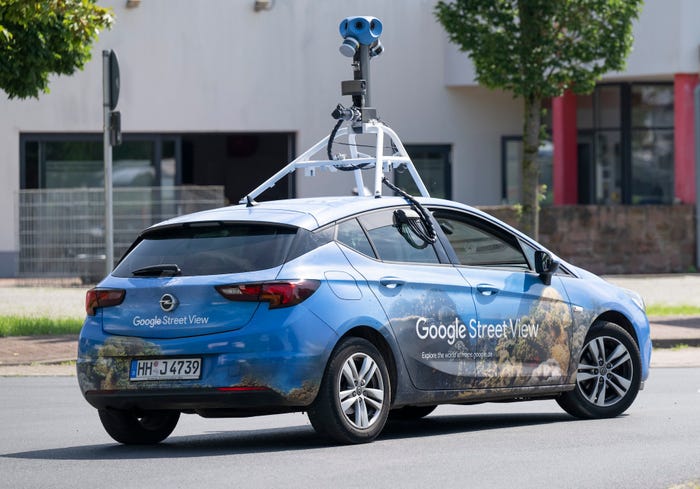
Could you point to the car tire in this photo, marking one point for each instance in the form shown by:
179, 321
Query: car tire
608, 375
130, 429
353, 402
408, 413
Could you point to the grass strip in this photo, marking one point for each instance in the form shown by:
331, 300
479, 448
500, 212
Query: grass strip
33, 326
664, 310
30, 326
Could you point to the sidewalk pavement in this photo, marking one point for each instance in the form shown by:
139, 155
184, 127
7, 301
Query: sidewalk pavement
676, 339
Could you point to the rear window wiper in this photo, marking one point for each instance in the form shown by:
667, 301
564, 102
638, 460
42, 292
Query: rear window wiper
162, 270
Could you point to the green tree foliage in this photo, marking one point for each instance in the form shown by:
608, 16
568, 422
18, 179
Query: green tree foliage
538, 49
43, 37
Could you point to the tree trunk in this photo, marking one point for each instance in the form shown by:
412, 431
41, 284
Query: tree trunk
529, 219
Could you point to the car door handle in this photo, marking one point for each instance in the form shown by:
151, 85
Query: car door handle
487, 289
391, 282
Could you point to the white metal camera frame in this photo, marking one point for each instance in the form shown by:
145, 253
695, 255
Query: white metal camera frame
357, 162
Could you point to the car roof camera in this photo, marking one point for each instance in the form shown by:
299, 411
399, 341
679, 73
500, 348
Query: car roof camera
360, 41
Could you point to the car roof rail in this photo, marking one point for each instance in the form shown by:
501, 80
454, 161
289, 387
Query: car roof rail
356, 162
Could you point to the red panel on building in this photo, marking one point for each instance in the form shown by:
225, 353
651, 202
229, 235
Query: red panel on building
565, 161
684, 136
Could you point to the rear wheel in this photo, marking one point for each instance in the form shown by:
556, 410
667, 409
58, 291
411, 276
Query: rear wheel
130, 429
608, 375
353, 403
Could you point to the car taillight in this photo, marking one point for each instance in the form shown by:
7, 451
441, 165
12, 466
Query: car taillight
277, 294
102, 298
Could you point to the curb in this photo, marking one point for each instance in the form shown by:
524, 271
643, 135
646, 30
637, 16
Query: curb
667, 343
58, 361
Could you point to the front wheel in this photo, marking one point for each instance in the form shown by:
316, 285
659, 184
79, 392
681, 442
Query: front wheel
130, 429
608, 375
355, 396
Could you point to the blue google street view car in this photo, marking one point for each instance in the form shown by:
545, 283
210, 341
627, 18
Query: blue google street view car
351, 309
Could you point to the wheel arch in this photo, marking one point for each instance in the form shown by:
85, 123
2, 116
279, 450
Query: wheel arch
621, 320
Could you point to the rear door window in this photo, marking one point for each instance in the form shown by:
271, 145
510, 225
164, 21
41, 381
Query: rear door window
351, 234
210, 248
391, 244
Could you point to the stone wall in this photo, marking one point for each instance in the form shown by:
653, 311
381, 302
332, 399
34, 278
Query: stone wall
617, 239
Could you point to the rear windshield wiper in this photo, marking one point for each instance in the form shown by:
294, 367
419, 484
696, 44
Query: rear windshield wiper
162, 270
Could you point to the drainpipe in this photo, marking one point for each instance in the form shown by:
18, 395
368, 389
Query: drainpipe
697, 177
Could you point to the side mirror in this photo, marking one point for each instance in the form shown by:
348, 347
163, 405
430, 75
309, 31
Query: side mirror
546, 266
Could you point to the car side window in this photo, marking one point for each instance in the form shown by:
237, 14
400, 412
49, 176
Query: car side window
478, 244
391, 245
351, 234
529, 253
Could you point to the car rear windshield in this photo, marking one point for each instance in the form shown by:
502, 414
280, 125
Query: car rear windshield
207, 249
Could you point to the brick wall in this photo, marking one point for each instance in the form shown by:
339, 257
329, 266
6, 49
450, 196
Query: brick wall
617, 239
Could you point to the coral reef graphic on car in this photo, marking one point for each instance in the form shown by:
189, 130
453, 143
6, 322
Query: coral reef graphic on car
532, 359
109, 363
107, 366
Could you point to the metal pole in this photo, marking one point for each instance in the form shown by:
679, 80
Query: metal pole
364, 74
109, 220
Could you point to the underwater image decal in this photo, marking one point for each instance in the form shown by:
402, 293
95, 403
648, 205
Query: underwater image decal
108, 365
444, 349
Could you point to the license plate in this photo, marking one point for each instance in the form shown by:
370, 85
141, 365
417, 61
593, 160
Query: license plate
166, 369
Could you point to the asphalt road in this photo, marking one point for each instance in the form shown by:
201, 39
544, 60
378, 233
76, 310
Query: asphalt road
51, 438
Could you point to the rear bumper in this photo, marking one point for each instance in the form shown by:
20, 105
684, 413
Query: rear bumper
279, 364
206, 402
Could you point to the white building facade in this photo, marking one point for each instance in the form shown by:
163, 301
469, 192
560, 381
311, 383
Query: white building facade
217, 93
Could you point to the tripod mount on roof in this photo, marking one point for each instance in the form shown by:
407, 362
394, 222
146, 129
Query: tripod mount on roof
361, 42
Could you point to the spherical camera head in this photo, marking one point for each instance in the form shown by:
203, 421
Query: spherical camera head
356, 31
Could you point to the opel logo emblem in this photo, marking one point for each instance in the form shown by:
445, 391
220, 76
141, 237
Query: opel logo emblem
168, 302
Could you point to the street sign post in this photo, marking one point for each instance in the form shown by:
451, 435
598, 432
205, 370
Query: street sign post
112, 137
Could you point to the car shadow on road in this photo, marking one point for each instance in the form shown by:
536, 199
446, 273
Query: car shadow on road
286, 439
457, 423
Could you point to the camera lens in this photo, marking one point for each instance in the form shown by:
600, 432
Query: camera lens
349, 47
376, 49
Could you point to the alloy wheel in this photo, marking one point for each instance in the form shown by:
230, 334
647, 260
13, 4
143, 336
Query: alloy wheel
361, 391
605, 372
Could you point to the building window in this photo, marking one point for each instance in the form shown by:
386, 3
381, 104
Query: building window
625, 147
238, 161
652, 157
626, 153
607, 142
434, 167
76, 161
511, 169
